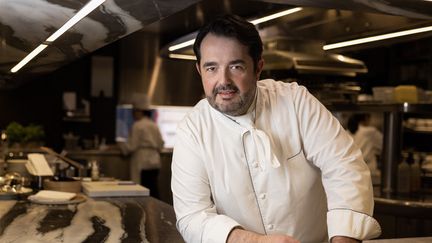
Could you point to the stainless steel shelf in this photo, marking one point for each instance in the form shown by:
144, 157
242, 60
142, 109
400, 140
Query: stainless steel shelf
393, 130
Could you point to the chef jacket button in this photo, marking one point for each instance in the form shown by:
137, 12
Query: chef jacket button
255, 165
263, 196
270, 226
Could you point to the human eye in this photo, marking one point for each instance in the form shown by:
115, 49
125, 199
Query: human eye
210, 69
237, 67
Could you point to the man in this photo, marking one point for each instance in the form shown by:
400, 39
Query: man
263, 161
369, 139
145, 143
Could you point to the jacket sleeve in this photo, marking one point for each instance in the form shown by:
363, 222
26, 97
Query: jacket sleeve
197, 217
132, 142
345, 175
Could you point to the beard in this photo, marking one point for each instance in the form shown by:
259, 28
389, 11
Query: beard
236, 106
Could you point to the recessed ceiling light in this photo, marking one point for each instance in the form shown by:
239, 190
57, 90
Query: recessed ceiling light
376, 38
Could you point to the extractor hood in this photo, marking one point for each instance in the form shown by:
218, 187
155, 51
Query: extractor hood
307, 56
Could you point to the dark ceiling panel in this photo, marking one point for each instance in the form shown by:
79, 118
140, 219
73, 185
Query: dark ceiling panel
26, 24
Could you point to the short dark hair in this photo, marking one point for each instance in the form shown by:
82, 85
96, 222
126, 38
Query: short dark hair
232, 26
355, 120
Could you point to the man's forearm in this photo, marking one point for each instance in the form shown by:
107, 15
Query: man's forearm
240, 235
343, 239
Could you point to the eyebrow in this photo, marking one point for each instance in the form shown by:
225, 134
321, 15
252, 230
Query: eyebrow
237, 61
208, 64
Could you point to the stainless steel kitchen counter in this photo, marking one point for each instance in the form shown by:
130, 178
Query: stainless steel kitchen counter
132, 219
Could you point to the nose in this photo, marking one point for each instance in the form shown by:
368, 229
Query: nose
225, 76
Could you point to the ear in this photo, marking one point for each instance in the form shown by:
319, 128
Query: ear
259, 68
198, 67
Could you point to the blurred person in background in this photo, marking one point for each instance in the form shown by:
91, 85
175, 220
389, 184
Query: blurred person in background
144, 144
369, 139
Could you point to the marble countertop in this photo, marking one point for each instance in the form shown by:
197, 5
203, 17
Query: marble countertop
133, 219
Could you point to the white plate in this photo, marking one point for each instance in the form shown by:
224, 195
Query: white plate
79, 198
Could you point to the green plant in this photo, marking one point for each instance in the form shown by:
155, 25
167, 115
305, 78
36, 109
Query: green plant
33, 133
16, 133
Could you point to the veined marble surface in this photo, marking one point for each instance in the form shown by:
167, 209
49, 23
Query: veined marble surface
138, 219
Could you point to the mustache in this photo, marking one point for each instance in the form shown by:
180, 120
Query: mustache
225, 87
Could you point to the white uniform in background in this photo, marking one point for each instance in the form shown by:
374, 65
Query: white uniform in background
287, 167
145, 143
370, 140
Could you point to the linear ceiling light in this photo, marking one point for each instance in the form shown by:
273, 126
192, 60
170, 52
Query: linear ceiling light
182, 56
30, 56
377, 38
254, 22
89, 7
274, 16
181, 45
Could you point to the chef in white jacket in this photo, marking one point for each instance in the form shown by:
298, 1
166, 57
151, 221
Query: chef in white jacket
263, 161
144, 144
369, 139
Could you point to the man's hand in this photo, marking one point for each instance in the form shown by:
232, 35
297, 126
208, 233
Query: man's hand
239, 235
343, 239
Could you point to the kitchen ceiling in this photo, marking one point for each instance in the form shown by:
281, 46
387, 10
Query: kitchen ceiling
25, 24
323, 20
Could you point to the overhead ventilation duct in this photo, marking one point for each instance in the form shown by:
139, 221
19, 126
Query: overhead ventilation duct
307, 56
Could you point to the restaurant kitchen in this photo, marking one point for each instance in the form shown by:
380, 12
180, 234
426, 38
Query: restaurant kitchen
72, 89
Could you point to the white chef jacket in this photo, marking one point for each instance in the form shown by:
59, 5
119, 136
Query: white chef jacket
314, 184
370, 140
144, 142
